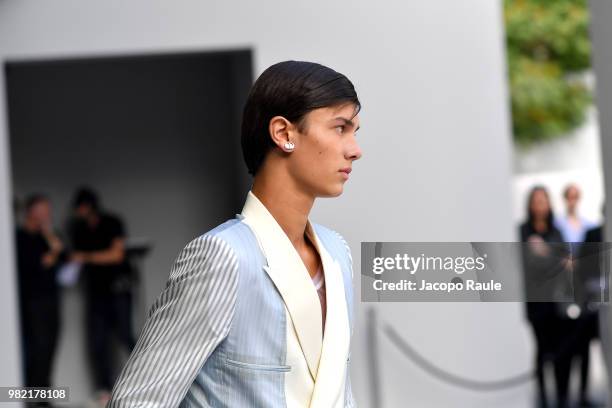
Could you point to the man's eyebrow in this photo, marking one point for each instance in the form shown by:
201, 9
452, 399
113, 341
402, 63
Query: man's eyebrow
347, 122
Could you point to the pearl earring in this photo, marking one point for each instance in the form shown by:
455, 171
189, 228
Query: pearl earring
289, 146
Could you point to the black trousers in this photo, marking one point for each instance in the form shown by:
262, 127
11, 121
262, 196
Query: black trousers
40, 325
107, 313
587, 330
553, 343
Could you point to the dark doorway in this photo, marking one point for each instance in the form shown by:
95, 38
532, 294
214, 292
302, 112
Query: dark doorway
156, 135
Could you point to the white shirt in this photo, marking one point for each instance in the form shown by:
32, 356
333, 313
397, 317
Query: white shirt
319, 282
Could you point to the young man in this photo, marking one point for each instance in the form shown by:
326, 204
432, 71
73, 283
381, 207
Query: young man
258, 311
99, 243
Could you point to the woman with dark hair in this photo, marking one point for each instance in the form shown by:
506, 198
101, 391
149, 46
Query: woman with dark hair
542, 263
258, 311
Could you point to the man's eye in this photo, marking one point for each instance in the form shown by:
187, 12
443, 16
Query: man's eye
340, 128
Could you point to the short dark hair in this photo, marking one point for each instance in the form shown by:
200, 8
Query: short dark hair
86, 195
34, 199
290, 89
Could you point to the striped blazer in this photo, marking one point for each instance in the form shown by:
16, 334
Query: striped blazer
239, 324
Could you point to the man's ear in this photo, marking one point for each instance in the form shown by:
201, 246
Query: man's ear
280, 129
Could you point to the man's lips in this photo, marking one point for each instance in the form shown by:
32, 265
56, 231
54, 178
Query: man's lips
345, 172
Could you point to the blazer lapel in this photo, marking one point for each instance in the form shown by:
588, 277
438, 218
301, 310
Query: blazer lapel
329, 383
291, 278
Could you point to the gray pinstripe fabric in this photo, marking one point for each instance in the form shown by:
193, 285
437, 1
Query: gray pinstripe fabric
215, 337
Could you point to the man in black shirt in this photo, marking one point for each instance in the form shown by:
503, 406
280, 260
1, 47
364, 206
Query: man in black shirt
39, 253
99, 242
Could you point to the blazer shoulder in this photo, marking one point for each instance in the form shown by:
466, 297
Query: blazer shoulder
239, 238
208, 251
333, 237
205, 253
230, 233
231, 230
323, 230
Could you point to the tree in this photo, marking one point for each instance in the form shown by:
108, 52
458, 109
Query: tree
548, 50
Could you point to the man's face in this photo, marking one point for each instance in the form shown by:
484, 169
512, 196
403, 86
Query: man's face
571, 198
325, 151
83, 211
41, 213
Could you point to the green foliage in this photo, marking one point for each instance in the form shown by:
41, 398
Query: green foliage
548, 44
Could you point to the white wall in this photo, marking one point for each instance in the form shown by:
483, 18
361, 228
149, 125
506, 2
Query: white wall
573, 158
601, 32
579, 149
10, 374
435, 136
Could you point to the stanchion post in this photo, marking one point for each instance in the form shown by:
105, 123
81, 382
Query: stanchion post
373, 358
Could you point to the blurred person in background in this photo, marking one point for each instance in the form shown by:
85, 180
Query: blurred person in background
572, 226
592, 273
549, 326
98, 239
39, 254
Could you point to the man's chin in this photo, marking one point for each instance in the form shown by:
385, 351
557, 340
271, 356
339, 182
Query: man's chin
335, 192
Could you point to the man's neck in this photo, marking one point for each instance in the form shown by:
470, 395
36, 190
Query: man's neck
93, 220
287, 205
31, 226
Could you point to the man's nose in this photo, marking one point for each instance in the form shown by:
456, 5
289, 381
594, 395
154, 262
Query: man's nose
354, 152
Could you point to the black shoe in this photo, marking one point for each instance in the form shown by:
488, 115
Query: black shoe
587, 403
542, 402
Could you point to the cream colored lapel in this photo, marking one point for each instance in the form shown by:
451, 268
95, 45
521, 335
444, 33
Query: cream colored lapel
329, 384
291, 278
